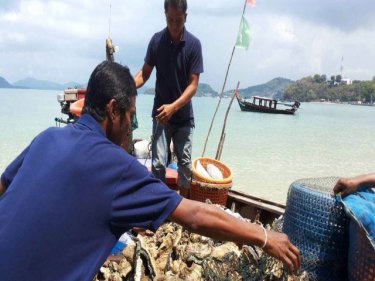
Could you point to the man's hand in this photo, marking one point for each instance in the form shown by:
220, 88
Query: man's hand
2, 189
279, 246
345, 186
165, 113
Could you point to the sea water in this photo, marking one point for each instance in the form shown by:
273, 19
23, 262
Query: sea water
266, 152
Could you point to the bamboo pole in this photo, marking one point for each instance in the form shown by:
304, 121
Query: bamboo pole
222, 89
222, 138
218, 154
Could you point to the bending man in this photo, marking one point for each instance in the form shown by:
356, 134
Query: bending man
74, 190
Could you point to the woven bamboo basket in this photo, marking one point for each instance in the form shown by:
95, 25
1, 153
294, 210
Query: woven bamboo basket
318, 226
227, 173
217, 193
203, 188
361, 261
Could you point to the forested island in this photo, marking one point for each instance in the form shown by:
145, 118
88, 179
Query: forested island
318, 88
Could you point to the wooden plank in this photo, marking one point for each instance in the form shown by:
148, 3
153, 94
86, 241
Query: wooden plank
273, 208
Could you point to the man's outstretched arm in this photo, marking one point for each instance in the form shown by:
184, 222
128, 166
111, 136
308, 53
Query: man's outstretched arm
211, 221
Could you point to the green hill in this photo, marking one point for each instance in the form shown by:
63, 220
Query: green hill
273, 89
205, 90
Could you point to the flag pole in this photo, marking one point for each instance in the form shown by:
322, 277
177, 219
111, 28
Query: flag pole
222, 89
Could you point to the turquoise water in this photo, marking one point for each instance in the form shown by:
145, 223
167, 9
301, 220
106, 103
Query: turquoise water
266, 152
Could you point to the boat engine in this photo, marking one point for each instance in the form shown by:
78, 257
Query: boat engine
66, 100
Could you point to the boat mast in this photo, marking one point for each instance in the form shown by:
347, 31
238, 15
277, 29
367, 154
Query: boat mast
109, 48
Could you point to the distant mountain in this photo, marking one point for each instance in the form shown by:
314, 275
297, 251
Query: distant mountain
273, 89
73, 85
149, 91
204, 90
45, 85
4, 83
143, 89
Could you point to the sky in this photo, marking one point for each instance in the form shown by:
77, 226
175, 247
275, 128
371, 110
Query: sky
63, 41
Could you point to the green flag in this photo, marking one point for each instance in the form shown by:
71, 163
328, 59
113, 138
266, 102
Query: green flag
243, 37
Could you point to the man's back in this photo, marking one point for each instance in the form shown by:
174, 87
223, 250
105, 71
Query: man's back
67, 208
65, 183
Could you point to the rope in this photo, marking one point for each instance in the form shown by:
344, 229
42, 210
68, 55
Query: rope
151, 142
109, 19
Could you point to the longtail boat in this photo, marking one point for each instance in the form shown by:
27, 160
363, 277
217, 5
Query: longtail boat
267, 105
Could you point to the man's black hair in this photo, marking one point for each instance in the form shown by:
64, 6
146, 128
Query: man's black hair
177, 4
109, 80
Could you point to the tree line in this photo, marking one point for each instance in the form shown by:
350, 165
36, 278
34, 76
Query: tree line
335, 89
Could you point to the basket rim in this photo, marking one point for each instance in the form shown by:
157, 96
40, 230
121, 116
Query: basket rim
211, 180
212, 185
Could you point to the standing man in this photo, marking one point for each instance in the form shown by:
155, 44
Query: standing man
177, 56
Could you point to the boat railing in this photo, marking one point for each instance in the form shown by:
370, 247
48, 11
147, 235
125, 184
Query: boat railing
254, 208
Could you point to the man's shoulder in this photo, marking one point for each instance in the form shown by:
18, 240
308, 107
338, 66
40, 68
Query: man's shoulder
159, 35
191, 37
50, 132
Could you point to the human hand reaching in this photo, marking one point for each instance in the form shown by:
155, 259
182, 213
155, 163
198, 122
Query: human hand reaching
345, 186
279, 246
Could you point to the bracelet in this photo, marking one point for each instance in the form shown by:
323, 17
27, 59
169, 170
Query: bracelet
265, 236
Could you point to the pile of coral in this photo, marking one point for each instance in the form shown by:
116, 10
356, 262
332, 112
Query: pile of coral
173, 253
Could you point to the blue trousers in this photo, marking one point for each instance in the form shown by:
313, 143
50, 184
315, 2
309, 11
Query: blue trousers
182, 138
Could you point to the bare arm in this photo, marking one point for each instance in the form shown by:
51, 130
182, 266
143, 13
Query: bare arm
2, 189
211, 221
143, 75
346, 186
167, 110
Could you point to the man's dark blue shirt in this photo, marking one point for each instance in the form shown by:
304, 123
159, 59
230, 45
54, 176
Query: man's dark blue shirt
174, 63
69, 196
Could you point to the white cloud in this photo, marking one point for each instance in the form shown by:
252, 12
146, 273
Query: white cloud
63, 40
32, 9
11, 17
283, 28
